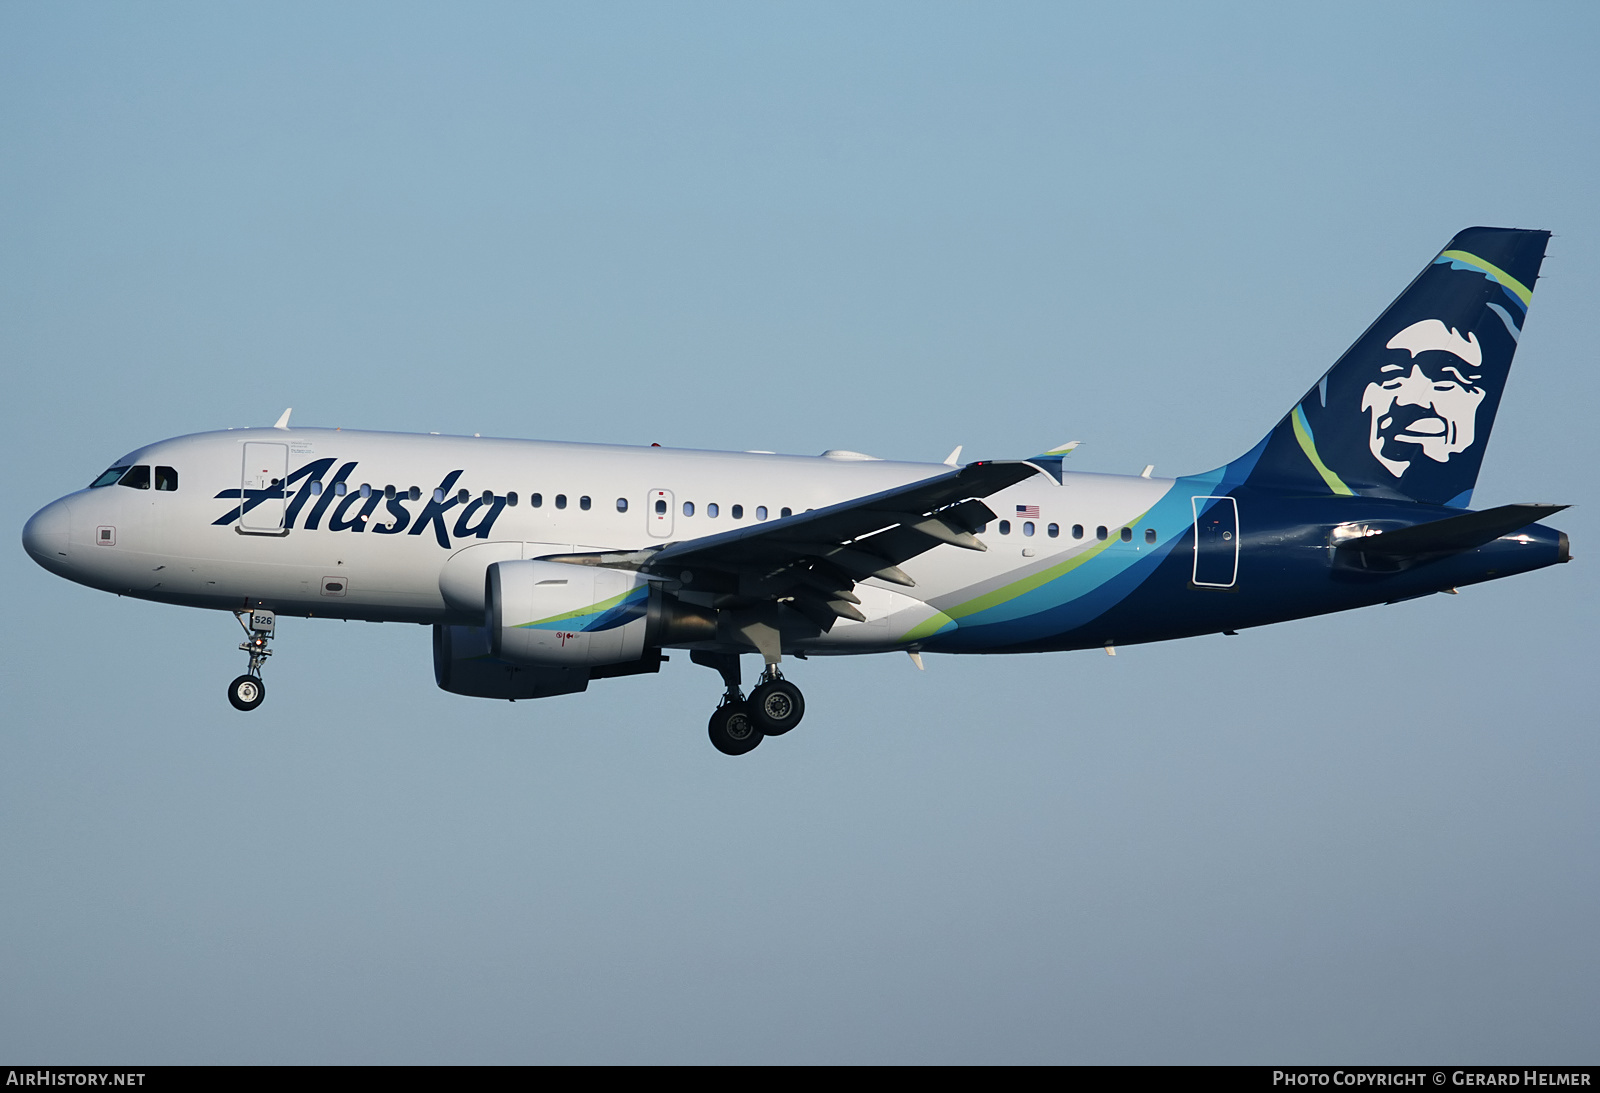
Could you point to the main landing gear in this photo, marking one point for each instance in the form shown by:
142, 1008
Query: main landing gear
738, 724
247, 692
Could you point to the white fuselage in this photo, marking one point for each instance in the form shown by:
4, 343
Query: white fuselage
398, 559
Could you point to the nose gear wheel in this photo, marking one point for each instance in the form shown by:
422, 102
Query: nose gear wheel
246, 693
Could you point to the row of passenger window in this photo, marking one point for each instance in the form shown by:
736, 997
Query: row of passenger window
138, 478
536, 500
1054, 531
713, 510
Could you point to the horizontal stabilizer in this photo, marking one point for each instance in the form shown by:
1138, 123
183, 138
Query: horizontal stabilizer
1454, 533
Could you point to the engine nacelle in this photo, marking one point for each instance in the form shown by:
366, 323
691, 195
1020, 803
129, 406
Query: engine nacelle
552, 613
463, 665
561, 615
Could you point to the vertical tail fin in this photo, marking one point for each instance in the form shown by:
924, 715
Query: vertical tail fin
1406, 412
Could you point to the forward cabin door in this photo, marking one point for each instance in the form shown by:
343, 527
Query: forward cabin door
658, 513
1216, 542
265, 468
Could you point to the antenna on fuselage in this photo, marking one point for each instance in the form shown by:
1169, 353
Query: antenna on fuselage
283, 422
953, 457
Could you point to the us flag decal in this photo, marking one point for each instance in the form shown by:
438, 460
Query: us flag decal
1027, 512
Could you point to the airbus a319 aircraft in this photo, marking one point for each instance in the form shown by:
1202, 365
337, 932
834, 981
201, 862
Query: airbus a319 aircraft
545, 566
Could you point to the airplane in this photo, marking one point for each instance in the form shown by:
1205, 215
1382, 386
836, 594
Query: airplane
542, 567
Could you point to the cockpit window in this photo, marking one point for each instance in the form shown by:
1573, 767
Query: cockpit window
108, 478
166, 479
137, 478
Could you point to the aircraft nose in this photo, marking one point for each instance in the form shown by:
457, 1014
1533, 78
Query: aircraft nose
46, 535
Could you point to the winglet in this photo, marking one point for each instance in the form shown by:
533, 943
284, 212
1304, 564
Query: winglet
1050, 462
283, 422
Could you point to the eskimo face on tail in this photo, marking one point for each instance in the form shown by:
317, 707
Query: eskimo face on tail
1406, 412
1425, 404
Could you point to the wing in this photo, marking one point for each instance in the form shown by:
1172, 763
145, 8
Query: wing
813, 560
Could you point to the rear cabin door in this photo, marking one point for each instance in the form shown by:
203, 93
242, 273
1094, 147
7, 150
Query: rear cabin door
1216, 542
265, 468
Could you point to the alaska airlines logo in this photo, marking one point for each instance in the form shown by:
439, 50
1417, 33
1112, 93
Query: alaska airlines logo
1432, 409
352, 512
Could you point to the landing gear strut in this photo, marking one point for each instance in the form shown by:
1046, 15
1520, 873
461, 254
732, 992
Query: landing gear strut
247, 691
738, 724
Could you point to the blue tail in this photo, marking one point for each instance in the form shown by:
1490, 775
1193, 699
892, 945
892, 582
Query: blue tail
1406, 412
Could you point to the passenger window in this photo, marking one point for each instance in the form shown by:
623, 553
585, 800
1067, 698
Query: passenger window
981, 529
438, 495
1100, 532
1077, 531
1054, 530
137, 478
583, 503
365, 491
712, 510
661, 507
1027, 528
388, 493
415, 493
737, 512
108, 478
561, 500
340, 489
1149, 535
316, 488
1005, 527
462, 496
166, 479
786, 513
688, 508
511, 499
536, 500
1127, 535
761, 512
622, 504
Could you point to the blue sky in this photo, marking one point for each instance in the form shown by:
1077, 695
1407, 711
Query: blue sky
889, 227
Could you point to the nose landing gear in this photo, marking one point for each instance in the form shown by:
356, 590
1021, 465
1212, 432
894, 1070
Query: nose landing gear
247, 691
